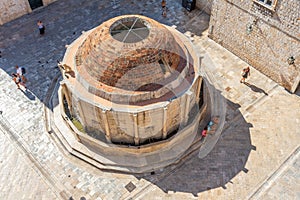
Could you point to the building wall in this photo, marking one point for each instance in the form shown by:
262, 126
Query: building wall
274, 37
12, 9
47, 2
121, 124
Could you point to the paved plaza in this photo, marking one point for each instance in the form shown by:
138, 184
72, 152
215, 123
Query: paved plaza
256, 157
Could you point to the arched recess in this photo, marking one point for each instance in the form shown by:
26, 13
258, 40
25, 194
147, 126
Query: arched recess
66, 101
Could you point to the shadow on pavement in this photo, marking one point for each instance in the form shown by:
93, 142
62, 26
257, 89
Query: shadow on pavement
65, 20
29, 94
224, 162
255, 88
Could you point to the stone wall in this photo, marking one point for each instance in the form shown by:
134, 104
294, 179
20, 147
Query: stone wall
47, 2
263, 37
124, 126
12, 9
121, 124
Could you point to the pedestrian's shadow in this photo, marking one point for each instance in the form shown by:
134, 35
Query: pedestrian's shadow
29, 94
255, 88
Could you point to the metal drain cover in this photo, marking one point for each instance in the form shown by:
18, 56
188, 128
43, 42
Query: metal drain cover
130, 186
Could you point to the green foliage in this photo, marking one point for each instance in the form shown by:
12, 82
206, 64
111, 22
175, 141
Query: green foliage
78, 125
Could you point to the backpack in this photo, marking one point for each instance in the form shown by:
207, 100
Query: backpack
23, 70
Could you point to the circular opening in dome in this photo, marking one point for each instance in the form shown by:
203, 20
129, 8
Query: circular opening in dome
129, 30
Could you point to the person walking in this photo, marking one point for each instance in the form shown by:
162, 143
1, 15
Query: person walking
164, 8
23, 81
18, 71
19, 77
41, 27
245, 73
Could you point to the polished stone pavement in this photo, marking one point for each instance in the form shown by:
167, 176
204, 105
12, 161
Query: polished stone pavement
257, 156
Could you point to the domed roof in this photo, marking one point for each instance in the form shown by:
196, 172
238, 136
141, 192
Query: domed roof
128, 54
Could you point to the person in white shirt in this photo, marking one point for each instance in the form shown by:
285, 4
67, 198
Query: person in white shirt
41, 27
19, 70
19, 77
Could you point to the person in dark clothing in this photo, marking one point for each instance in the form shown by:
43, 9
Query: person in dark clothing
164, 8
41, 27
245, 74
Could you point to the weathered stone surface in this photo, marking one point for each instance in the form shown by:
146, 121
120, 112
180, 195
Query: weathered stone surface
10, 10
273, 119
13, 9
272, 36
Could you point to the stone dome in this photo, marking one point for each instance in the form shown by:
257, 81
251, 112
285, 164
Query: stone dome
133, 59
